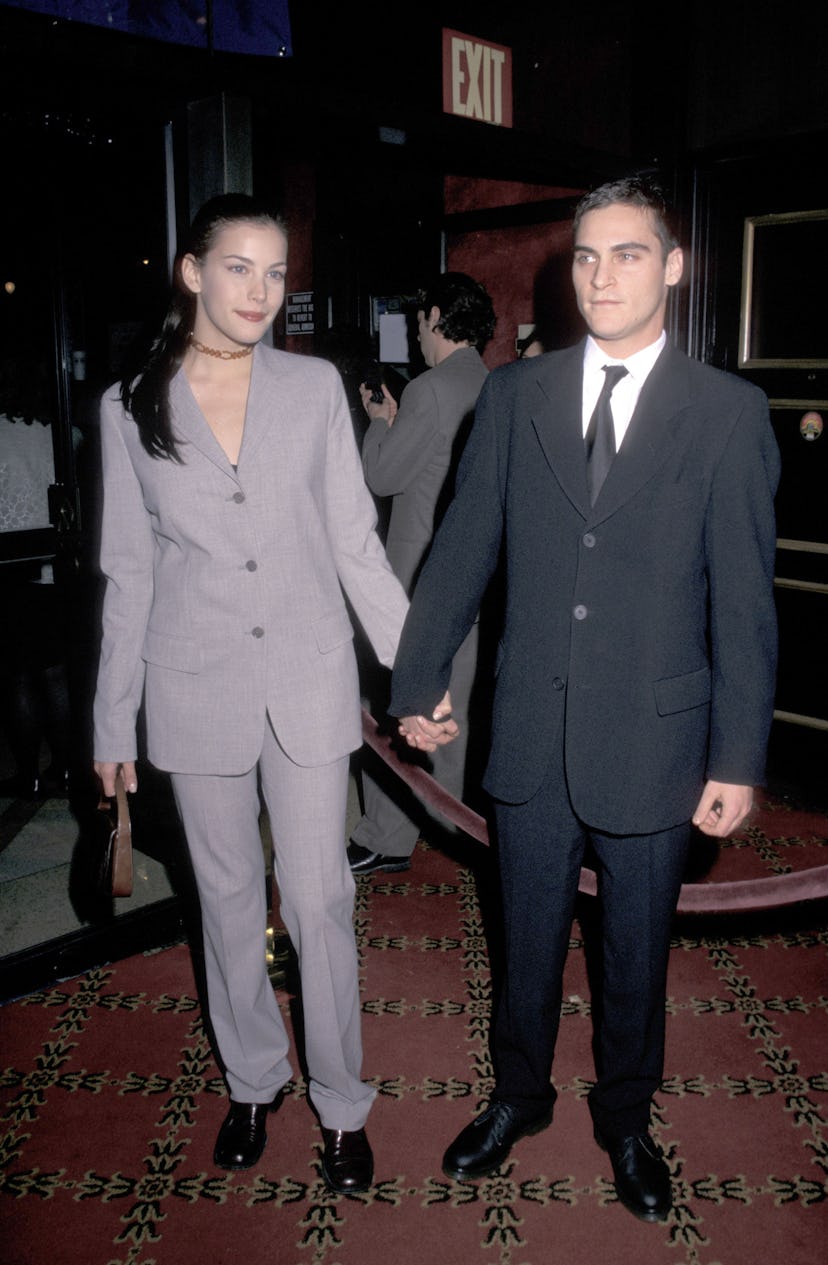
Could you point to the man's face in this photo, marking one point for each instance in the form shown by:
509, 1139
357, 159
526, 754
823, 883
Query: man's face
426, 336
622, 279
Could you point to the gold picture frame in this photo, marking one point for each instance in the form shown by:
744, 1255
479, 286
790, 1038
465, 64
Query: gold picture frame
782, 320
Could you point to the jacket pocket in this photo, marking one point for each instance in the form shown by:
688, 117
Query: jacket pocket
177, 653
332, 630
680, 693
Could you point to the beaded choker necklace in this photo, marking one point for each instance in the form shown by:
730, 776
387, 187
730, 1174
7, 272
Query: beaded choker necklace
218, 352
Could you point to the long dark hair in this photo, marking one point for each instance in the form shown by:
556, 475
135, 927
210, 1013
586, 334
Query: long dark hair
145, 394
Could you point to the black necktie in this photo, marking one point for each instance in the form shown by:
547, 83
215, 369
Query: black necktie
600, 435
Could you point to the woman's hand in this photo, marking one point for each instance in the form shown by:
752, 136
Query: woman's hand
428, 735
107, 771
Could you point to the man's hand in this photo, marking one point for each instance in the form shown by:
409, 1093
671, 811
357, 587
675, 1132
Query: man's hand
722, 808
387, 410
107, 771
428, 735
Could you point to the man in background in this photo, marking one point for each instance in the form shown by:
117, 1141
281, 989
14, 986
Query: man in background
410, 454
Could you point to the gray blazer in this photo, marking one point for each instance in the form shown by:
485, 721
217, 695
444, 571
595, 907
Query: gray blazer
224, 597
413, 461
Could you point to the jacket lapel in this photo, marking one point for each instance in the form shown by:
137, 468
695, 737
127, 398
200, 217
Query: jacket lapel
191, 425
555, 404
260, 406
193, 428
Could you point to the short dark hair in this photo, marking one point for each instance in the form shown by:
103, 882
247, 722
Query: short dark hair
640, 191
466, 311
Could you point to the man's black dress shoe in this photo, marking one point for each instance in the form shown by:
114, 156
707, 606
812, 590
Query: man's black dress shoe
484, 1144
347, 1162
642, 1179
241, 1139
363, 861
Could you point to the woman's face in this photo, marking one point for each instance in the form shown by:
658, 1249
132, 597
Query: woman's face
239, 284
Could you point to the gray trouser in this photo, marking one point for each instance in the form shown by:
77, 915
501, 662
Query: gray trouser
306, 807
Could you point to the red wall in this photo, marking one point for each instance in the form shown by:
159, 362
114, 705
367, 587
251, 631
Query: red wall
524, 268
299, 210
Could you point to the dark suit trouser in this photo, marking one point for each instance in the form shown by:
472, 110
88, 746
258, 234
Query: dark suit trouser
541, 848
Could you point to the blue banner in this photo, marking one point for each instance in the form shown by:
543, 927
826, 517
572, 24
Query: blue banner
260, 27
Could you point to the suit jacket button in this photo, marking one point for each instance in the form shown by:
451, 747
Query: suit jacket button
258, 632
238, 497
589, 540
580, 612
251, 565
557, 683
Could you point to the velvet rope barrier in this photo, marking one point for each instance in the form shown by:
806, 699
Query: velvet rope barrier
695, 898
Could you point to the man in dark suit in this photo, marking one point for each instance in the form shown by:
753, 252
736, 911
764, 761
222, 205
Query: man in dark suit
636, 671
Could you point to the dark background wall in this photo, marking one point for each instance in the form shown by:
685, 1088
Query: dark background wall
727, 101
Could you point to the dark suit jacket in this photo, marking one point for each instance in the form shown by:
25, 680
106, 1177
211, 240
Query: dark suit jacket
644, 625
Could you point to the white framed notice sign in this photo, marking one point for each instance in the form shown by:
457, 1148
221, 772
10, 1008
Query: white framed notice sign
299, 313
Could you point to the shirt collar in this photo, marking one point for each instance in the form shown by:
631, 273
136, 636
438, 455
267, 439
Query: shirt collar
638, 365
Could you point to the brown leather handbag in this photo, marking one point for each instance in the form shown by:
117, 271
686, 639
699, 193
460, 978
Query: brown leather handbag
116, 863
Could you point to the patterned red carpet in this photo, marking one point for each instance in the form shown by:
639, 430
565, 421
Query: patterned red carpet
110, 1101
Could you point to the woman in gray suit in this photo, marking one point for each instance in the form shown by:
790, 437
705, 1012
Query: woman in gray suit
235, 514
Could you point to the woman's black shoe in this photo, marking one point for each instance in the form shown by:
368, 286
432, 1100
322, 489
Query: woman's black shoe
347, 1162
242, 1137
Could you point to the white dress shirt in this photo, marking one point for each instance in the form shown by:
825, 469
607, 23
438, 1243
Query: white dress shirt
625, 396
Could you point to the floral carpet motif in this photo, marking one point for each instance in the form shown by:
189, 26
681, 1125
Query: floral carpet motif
110, 1101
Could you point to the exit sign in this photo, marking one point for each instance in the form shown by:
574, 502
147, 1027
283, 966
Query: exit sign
477, 79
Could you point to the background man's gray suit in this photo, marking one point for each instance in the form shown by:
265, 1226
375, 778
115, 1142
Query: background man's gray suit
413, 462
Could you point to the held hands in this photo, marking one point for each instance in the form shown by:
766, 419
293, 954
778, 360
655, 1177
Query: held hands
107, 771
387, 410
722, 808
428, 735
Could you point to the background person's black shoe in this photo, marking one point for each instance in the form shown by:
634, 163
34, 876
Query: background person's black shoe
241, 1138
642, 1179
363, 861
484, 1144
347, 1161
